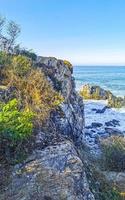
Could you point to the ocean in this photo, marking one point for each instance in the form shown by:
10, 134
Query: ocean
108, 77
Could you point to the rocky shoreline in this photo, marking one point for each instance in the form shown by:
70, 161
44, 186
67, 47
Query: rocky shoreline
101, 122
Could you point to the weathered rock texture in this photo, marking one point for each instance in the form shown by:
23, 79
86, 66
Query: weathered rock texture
69, 119
54, 171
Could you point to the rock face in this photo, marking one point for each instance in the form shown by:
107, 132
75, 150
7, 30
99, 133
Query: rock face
98, 93
69, 119
54, 171
51, 174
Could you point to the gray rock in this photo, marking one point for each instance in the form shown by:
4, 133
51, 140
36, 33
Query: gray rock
53, 173
69, 118
94, 92
112, 123
96, 124
88, 127
114, 132
101, 111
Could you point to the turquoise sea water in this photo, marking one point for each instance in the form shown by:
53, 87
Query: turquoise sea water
108, 77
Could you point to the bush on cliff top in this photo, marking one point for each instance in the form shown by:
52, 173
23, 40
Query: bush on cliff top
34, 96
21, 65
34, 100
31, 87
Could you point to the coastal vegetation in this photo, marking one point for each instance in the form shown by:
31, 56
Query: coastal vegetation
66, 62
32, 97
113, 150
101, 188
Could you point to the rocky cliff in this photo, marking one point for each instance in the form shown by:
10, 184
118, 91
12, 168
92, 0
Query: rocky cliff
54, 170
69, 120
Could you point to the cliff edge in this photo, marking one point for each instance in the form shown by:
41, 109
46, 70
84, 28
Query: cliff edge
54, 170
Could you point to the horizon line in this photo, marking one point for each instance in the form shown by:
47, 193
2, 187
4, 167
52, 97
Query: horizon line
93, 65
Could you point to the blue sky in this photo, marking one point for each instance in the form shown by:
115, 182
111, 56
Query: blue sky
88, 32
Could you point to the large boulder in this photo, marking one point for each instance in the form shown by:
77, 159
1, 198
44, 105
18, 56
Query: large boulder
94, 92
97, 93
53, 173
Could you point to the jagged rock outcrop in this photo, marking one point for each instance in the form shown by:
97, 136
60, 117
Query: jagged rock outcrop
54, 170
98, 93
94, 92
69, 119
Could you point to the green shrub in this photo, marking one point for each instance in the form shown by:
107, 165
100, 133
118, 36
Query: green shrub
15, 125
21, 65
113, 150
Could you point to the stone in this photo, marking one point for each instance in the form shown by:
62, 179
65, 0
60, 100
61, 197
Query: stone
101, 111
112, 123
93, 92
114, 132
96, 124
88, 127
53, 173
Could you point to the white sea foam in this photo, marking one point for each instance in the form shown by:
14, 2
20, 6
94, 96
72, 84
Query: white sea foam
110, 114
